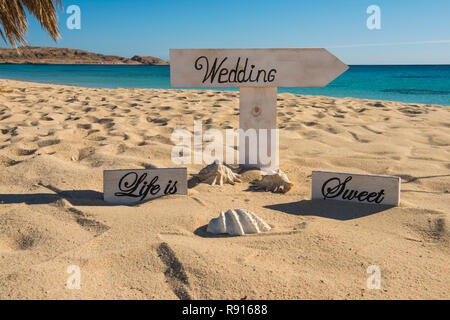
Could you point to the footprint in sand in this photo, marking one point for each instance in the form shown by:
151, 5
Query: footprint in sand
18, 243
311, 124
433, 229
412, 110
46, 143
85, 126
107, 123
355, 136
121, 148
333, 130
371, 130
46, 231
161, 121
175, 274
378, 105
93, 131
24, 152
89, 109
97, 138
85, 152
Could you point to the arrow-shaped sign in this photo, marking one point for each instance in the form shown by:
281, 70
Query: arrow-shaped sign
310, 67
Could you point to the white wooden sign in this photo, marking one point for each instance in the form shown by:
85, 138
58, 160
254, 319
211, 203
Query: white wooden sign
361, 188
262, 69
307, 67
139, 185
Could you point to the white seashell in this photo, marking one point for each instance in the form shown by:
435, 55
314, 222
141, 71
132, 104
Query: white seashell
277, 182
237, 222
218, 173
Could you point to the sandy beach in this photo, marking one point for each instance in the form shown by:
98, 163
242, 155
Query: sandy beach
56, 141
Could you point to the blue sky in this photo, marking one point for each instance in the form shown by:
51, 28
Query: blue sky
147, 27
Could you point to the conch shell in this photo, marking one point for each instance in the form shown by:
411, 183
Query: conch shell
237, 222
218, 173
277, 182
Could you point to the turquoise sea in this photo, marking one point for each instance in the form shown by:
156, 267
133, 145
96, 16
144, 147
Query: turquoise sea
428, 84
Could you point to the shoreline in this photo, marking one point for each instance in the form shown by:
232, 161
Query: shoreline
218, 90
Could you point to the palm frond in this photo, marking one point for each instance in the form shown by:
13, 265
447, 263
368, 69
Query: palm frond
14, 22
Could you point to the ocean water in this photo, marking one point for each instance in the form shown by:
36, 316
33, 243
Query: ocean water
428, 84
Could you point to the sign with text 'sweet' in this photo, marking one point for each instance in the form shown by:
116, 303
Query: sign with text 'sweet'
361, 188
139, 185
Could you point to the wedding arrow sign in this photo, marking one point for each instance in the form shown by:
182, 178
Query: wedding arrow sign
308, 67
258, 73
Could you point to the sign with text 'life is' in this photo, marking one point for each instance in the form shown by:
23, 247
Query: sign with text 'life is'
361, 188
138, 185
299, 67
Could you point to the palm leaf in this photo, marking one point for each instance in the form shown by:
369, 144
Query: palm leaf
14, 22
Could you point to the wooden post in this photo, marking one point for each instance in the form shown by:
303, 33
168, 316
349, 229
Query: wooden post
258, 110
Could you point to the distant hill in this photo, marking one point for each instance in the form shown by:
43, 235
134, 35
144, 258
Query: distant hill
149, 60
51, 55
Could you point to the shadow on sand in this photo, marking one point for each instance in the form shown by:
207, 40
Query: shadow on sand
75, 197
201, 232
338, 210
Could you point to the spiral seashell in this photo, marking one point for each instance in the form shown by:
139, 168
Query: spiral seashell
218, 173
278, 182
